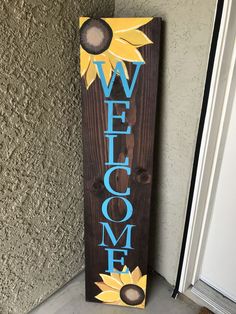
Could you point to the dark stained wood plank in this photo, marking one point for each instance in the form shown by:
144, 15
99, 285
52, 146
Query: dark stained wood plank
138, 146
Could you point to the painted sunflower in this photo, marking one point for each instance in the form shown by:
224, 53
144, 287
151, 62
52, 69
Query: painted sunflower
123, 289
110, 40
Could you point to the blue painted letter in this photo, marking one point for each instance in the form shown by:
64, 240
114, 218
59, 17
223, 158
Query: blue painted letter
118, 69
107, 180
128, 206
114, 240
112, 260
121, 117
111, 152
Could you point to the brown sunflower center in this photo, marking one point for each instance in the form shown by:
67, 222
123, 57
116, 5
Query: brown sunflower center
132, 294
95, 36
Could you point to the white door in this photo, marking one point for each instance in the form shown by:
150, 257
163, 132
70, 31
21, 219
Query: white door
210, 248
219, 259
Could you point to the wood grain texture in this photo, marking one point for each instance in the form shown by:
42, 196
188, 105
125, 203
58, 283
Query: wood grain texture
138, 146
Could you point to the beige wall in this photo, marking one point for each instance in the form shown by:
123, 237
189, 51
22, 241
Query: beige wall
186, 33
41, 218
41, 209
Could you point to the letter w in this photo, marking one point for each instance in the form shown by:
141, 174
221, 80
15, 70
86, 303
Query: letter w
118, 70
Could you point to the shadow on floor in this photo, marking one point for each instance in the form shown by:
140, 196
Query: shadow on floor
71, 300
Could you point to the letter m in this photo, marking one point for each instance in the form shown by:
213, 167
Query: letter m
127, 230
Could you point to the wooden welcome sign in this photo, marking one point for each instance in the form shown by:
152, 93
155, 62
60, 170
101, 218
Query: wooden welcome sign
119, 69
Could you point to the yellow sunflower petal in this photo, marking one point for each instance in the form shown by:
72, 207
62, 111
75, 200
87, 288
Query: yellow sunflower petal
120, 302
136, 274
142, 282
111, 282
116, 275
135, 38
141, 306
125, 24
124, 50
90, 75
82, 20
102, 286
107, 68
113, 303
114, 60
108, 296
84, 61
126, 278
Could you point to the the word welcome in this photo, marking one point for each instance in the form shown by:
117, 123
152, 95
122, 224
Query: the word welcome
116, 254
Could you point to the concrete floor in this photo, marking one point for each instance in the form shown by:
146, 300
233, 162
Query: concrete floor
70, 300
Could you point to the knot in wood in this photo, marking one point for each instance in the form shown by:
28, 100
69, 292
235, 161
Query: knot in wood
142, 176
98, 186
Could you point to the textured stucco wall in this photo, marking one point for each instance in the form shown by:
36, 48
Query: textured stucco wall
41, 210
186, 33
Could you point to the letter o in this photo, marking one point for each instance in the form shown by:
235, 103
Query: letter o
128, 206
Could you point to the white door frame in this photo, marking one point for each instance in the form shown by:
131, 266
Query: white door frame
219, 106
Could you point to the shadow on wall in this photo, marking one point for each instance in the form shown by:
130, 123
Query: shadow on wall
157, 163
